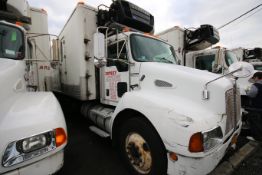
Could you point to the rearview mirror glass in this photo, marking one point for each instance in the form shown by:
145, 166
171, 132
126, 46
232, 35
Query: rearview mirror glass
245, 69
99, 50
99, 46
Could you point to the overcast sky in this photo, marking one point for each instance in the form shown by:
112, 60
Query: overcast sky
245, 32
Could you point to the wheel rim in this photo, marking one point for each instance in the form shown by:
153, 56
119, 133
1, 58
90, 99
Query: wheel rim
138, 153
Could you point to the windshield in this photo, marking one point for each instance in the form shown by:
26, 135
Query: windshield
11, 42
230, 58
146, 49
258, 67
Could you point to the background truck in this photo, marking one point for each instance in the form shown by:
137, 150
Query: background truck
215, 60
129, 84
186, 40
253, 56
32, 127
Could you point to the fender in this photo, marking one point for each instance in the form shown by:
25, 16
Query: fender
171, 118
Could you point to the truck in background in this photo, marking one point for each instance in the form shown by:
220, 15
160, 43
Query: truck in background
33, 131
216, 60
131, 87
252, 56
186, 40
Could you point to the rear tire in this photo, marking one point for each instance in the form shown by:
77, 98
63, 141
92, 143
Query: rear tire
141, 148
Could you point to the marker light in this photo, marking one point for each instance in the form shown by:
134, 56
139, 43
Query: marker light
126, 29
18, 23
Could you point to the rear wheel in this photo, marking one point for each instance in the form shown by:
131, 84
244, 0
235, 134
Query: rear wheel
142, 149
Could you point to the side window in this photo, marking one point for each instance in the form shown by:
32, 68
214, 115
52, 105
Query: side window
11, 42
205, 62
117, 56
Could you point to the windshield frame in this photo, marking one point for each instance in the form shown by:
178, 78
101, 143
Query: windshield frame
23, 51
173, 52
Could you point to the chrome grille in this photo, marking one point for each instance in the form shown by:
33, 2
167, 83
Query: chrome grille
233, 107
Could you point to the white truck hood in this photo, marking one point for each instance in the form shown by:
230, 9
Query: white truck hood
187, 89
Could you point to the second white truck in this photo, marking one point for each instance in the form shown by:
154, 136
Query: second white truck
252, 56
33, 131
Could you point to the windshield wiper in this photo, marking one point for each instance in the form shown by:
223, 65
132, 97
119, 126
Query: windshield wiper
164, 58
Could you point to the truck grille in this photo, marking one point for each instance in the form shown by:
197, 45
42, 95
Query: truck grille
233, 105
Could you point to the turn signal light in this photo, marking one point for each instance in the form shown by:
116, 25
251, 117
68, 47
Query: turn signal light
173, 156
80, 2
60, 136
234, 139
196, 143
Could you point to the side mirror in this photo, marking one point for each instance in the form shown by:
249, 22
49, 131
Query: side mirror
241, 69
99, 50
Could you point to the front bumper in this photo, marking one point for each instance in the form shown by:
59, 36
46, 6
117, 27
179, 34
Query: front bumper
200, 165
46, 166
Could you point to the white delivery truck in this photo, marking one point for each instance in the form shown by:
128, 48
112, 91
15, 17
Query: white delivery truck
216, 60
252, 56
193, 39
32, 127
164, 118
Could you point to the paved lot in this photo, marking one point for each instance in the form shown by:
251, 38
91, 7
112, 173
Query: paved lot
87, 153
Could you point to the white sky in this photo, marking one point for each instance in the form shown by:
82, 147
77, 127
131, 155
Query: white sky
245, 32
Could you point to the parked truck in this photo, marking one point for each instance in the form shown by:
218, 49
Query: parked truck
252, 56
32, 127
216, 60
164, 118
193, 39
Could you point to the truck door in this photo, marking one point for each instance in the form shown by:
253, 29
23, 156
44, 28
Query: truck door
115, 75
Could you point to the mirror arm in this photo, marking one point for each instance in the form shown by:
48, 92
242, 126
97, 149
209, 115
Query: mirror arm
206, 92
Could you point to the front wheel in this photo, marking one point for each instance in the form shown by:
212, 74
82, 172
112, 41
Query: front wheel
142, 149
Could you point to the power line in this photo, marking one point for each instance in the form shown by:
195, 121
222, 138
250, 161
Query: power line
239, 16
245, 18
250, 15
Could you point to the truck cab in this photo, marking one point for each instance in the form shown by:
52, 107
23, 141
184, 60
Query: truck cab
216, 60
33, 132
252, 56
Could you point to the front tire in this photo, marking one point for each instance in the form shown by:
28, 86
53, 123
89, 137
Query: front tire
141, 148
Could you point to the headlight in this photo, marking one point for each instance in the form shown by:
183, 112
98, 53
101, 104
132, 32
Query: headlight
28, 148
205, 141
212, 138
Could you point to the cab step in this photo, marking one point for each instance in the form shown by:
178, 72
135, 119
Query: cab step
99, 131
